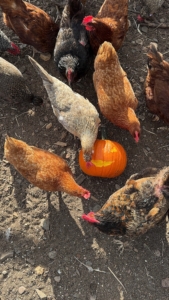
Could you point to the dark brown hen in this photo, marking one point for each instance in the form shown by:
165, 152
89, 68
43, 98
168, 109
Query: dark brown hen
157, 84
136, 207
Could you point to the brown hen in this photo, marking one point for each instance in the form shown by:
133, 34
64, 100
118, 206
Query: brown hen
33, 26
116, 98
43, 169
136, 207
110, 24
157, 84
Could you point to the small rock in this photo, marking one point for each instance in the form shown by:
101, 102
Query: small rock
142, 79
4, 273
48, 126
157, 253
165, 282
45, 224
21, 290
62, 144
144, 29
139, 41
41, 295
162, 20
52, 254
45, 57
117, 187
39, 270
57, 278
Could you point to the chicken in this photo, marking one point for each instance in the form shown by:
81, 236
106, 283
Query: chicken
136, 207
110, 24
116, 98
43, 169
13, 85
149, 8
74, 112
33, 26
7, 45
157, 84
72, 49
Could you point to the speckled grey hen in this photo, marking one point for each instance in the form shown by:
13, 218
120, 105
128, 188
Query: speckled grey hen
74, 112
136, 207
13, 85
7, 45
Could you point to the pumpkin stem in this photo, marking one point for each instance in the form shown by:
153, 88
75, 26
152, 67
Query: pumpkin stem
103, 132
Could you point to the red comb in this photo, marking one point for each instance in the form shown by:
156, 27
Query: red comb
90, 218
87, 20
140, 19
86, 194
15, 49
136, 136
89, 164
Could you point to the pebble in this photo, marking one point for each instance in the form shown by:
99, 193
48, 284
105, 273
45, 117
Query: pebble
62, 144
165, 282
57, 278
52, 254
162, 20
144, 29
41, 295
139, 41
21, 290
157, 253
45, 224
48, 126
4, 273
39, 270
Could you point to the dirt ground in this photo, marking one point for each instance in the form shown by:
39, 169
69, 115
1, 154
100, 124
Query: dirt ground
70, 259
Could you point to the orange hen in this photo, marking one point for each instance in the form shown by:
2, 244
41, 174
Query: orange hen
33, 26
110, 24
45, 170
116, 98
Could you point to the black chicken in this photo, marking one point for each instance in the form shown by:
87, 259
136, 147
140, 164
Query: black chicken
72, 49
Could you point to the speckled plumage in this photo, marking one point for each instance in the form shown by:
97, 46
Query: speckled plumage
73, 111
136, 207
13, 85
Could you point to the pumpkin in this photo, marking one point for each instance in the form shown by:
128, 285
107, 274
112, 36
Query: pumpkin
108, 160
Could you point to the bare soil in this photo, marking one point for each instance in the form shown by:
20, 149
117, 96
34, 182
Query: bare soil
81, 252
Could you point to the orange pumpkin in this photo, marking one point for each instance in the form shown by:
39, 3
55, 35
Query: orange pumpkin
108, 160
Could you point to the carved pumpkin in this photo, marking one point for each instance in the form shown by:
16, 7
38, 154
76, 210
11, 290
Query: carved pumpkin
108, 160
